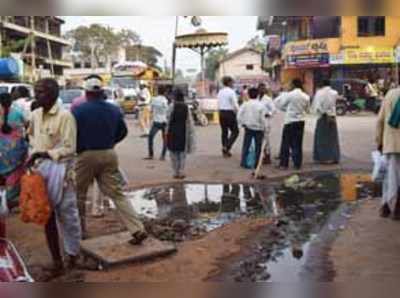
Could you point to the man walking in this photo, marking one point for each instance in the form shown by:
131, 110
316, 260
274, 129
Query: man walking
228, 107
159, 109
100, 127
53, 139
251, 116
144, 109
296, 104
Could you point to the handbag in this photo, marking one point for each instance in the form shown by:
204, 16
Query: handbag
34, 199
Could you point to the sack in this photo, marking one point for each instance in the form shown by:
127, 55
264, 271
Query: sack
251, 157
34, 199
380, 167
3, 203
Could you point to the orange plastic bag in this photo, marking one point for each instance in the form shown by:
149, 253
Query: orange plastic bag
34, 200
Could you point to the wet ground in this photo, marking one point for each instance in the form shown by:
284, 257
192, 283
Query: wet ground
307, 213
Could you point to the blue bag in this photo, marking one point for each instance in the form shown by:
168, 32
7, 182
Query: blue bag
251, 157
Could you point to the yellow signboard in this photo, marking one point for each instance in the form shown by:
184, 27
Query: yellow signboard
369, 55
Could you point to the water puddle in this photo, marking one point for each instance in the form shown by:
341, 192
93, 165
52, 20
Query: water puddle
301, 207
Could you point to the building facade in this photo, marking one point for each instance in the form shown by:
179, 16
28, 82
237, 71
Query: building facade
336, 47
38, 41
244, 65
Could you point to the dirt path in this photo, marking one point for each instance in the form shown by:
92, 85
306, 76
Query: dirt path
369, 248
196, 260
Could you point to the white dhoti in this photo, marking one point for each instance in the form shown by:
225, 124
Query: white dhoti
267, 137
391, 183
63, 199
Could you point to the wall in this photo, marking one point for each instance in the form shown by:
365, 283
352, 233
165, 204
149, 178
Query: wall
237, 65
350, 33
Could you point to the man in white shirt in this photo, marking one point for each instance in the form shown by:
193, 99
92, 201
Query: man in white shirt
326, 137
296, 104
144, 110
251, 116
228, 107
270, 111
159, 109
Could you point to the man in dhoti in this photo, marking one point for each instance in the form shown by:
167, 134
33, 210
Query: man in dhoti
388, 140
53, 139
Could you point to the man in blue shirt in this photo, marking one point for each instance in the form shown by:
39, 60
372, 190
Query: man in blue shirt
100, 127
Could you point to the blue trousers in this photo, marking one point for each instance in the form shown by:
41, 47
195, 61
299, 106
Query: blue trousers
250, 135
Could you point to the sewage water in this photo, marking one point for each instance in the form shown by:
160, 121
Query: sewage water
302, 205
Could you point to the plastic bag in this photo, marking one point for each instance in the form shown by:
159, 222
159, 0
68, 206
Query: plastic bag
3, 203
251, 157
34, 199
380, 166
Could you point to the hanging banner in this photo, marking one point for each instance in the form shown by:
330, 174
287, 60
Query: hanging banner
369, 55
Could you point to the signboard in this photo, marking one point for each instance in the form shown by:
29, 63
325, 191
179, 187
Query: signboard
307, 61
369, 55
307, 47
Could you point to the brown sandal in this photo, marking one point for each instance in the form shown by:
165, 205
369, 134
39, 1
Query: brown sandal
138, 238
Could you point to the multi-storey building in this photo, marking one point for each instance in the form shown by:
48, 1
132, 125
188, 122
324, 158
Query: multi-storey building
336, 47
38, 40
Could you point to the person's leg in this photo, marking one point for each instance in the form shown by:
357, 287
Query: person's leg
234, 129
53, 242
295, 145
85, 173
164, 140
142, 121
285, 146
258, 137
268, 151
174, 163
68, 215
97, 199
152, 134
110, 185
224, 129
182, 164
246, 147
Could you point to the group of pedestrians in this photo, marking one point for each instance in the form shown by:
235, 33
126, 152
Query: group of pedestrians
70, 150
255, 117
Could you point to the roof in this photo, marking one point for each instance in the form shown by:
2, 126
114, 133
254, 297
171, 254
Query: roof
238, 53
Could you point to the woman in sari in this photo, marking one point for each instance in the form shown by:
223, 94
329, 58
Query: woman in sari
13, 150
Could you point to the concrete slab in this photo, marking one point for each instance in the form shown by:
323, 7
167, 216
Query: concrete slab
115, 250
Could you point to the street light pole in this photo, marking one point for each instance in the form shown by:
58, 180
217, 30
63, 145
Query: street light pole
174, 50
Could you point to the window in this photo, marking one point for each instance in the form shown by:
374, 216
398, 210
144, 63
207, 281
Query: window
326, 27
250, 67
371, 26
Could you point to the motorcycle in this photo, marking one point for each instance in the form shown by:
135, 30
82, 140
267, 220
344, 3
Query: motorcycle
198, 116
344, 106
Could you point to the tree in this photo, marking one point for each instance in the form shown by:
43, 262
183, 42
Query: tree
128, 37
100, 42
212, 61
147, 54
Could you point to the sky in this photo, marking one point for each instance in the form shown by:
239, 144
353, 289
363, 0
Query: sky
159, 32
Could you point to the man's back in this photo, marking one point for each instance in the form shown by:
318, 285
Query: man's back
227, 99
159, 107
100, 125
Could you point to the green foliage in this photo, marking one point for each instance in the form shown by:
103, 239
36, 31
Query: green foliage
147, 54
212, 61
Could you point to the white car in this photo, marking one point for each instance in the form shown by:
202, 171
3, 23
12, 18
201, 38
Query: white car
10, 87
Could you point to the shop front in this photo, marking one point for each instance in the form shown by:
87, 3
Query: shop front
309, 61
376, 64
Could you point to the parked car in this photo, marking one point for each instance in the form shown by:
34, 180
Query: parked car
10, 87
67, 96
